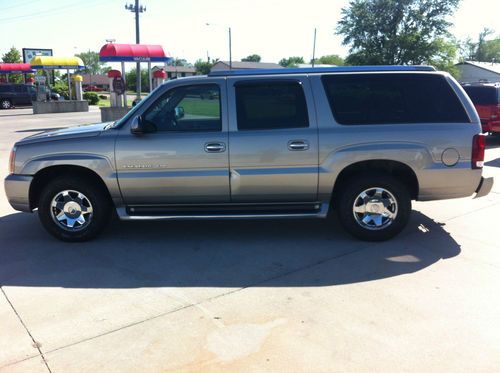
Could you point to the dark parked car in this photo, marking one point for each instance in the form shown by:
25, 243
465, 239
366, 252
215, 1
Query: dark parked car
16, 94
486, 99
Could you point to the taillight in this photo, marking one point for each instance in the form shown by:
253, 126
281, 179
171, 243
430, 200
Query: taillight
478, 147
12, 160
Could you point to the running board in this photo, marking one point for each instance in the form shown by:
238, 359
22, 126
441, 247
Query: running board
318, 210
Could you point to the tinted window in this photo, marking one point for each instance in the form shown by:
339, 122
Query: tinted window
392, 98
189, 108
19, 89
270, 105
5, 88
482, 95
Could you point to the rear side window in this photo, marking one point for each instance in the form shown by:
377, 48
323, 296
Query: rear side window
5, 88
19, 89
393, 98
481, 95
271, 105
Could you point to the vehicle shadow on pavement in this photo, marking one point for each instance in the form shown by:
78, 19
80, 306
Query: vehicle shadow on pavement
214, 254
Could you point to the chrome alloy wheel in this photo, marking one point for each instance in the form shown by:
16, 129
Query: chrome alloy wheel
375, 208
71, 210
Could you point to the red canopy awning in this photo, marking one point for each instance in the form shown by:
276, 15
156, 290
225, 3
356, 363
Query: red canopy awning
15, 68
132, 52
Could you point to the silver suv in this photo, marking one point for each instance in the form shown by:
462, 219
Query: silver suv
364, 141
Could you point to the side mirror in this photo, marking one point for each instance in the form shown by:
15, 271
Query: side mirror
136, 126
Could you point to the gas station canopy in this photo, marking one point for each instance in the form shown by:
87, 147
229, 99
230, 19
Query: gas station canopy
54, 63
132, 53
16, 68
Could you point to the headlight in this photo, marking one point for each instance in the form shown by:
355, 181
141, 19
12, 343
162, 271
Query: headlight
12, 160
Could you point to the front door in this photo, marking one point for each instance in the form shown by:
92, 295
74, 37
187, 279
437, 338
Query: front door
183, 159
273, 140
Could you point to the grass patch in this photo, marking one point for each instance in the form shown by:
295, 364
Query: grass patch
197, 106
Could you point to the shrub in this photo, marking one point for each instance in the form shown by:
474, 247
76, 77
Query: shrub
62, 89
91, 97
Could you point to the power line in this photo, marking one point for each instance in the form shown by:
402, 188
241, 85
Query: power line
48, 12
19, 4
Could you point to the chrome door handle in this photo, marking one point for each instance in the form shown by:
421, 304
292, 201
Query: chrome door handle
215, 147
298, 145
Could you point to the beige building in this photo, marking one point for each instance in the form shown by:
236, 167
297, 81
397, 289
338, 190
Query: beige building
176, 71
238, 65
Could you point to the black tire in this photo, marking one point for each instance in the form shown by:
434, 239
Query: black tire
353, 222
95, 197
5, 104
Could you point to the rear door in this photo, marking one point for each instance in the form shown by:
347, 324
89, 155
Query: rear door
273, 140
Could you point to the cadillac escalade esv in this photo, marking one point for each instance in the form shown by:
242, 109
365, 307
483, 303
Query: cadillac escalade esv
363, 141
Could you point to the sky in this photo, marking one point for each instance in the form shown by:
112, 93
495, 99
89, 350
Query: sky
271, 28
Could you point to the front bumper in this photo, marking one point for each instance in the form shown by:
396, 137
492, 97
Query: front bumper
484, 187
17, 189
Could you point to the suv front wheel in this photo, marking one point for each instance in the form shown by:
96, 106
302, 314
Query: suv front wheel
374, 208
72, 209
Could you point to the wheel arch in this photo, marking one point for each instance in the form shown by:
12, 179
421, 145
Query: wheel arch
45, 175
400, 170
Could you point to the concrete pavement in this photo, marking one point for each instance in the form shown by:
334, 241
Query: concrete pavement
250, 295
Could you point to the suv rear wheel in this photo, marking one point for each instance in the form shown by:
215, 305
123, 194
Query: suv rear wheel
374, 208
5, 104
72, 209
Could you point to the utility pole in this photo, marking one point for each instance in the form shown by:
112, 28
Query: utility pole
137, 9
230, 52
314, 48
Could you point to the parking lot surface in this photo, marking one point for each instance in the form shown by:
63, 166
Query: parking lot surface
293, 295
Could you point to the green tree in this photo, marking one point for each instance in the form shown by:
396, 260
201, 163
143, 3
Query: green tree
483, 50
393, 32
293, 61
251, 58
92, 64
203, 67
180, 62
13, 56
331, 59
131, 81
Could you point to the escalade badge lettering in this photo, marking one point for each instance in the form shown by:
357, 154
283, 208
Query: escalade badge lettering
141, 166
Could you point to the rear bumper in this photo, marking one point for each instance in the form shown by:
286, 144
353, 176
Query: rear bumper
484, 187
17, 189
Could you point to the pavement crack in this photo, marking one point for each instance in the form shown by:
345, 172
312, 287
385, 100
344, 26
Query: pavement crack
35, 343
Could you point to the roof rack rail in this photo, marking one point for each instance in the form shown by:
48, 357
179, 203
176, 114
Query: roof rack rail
312, 70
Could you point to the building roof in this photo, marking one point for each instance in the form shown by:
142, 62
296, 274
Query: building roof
493, 67
250, 65
173, 69
132, 52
